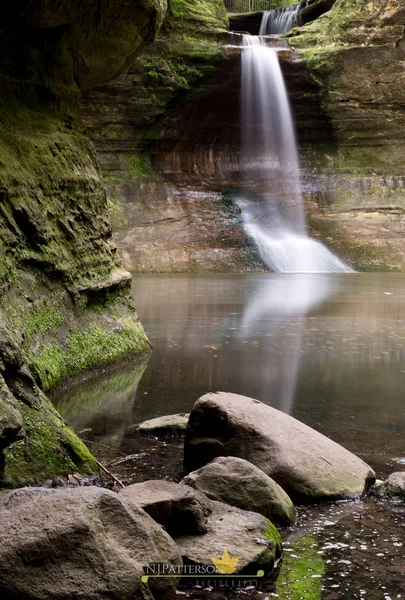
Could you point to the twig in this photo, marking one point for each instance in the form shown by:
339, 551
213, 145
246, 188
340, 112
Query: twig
102, 467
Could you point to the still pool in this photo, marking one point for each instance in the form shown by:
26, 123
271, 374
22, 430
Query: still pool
328, 349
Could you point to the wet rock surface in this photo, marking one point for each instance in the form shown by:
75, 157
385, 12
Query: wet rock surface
392, 487
307, 465
85, 542
181, 510
239, 483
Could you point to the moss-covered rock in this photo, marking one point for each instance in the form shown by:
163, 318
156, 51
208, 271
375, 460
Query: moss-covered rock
65, 301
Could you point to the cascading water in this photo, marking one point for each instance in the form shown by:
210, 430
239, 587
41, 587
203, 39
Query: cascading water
273, 213
280, 20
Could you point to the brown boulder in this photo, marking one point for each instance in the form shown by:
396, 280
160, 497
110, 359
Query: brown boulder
239, 483
86, 543
180, 509
305, 463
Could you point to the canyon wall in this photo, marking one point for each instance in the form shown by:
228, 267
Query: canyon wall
66, 302
350, 108
165, 133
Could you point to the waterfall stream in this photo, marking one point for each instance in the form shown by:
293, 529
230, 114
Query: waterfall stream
272, 203
280, 20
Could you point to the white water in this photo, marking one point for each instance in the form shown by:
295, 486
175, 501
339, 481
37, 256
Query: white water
275, 217
280, 20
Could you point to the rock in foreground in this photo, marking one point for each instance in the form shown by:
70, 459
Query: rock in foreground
247, 536
305, 463
85, 543
180, 509
239, 483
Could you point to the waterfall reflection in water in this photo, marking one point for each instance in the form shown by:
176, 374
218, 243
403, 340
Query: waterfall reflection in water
279, 301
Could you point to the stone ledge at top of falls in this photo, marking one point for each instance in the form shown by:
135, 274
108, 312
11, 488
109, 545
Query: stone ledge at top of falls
305, 463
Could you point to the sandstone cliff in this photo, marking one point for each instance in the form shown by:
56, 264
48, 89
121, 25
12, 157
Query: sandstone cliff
350, 110
66, 302
163, 132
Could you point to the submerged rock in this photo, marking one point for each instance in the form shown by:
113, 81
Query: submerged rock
307, 465
250, 539
392, 487
86, 542
174, 425
239, 483
181, 510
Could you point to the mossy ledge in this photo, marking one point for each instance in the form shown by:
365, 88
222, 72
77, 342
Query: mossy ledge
65, 301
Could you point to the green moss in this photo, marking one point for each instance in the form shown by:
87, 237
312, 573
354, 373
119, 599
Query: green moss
211, 13
84, 350
42, 318
137, 165
8, 272
271, 534
301, 571
49, 448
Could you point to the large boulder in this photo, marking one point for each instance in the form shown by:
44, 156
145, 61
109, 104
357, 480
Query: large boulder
307, 465
180, 509
237, 482
248, 538
85, 543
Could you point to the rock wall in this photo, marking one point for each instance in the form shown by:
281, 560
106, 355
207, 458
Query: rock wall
350, 119
163, 132
66, 302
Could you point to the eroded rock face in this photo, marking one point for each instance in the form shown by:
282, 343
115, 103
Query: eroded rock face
104, 37
239, 483
306, 464
181, 510
164, 131
85, 542
347, 95
66, 301
10, 419
249, 538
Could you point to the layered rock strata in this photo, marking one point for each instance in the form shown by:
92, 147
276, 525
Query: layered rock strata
350, 122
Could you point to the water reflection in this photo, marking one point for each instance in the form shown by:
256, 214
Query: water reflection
329, 349
277, 300
101, 407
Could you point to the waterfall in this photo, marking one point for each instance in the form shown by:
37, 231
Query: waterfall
280, 20
272, 204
